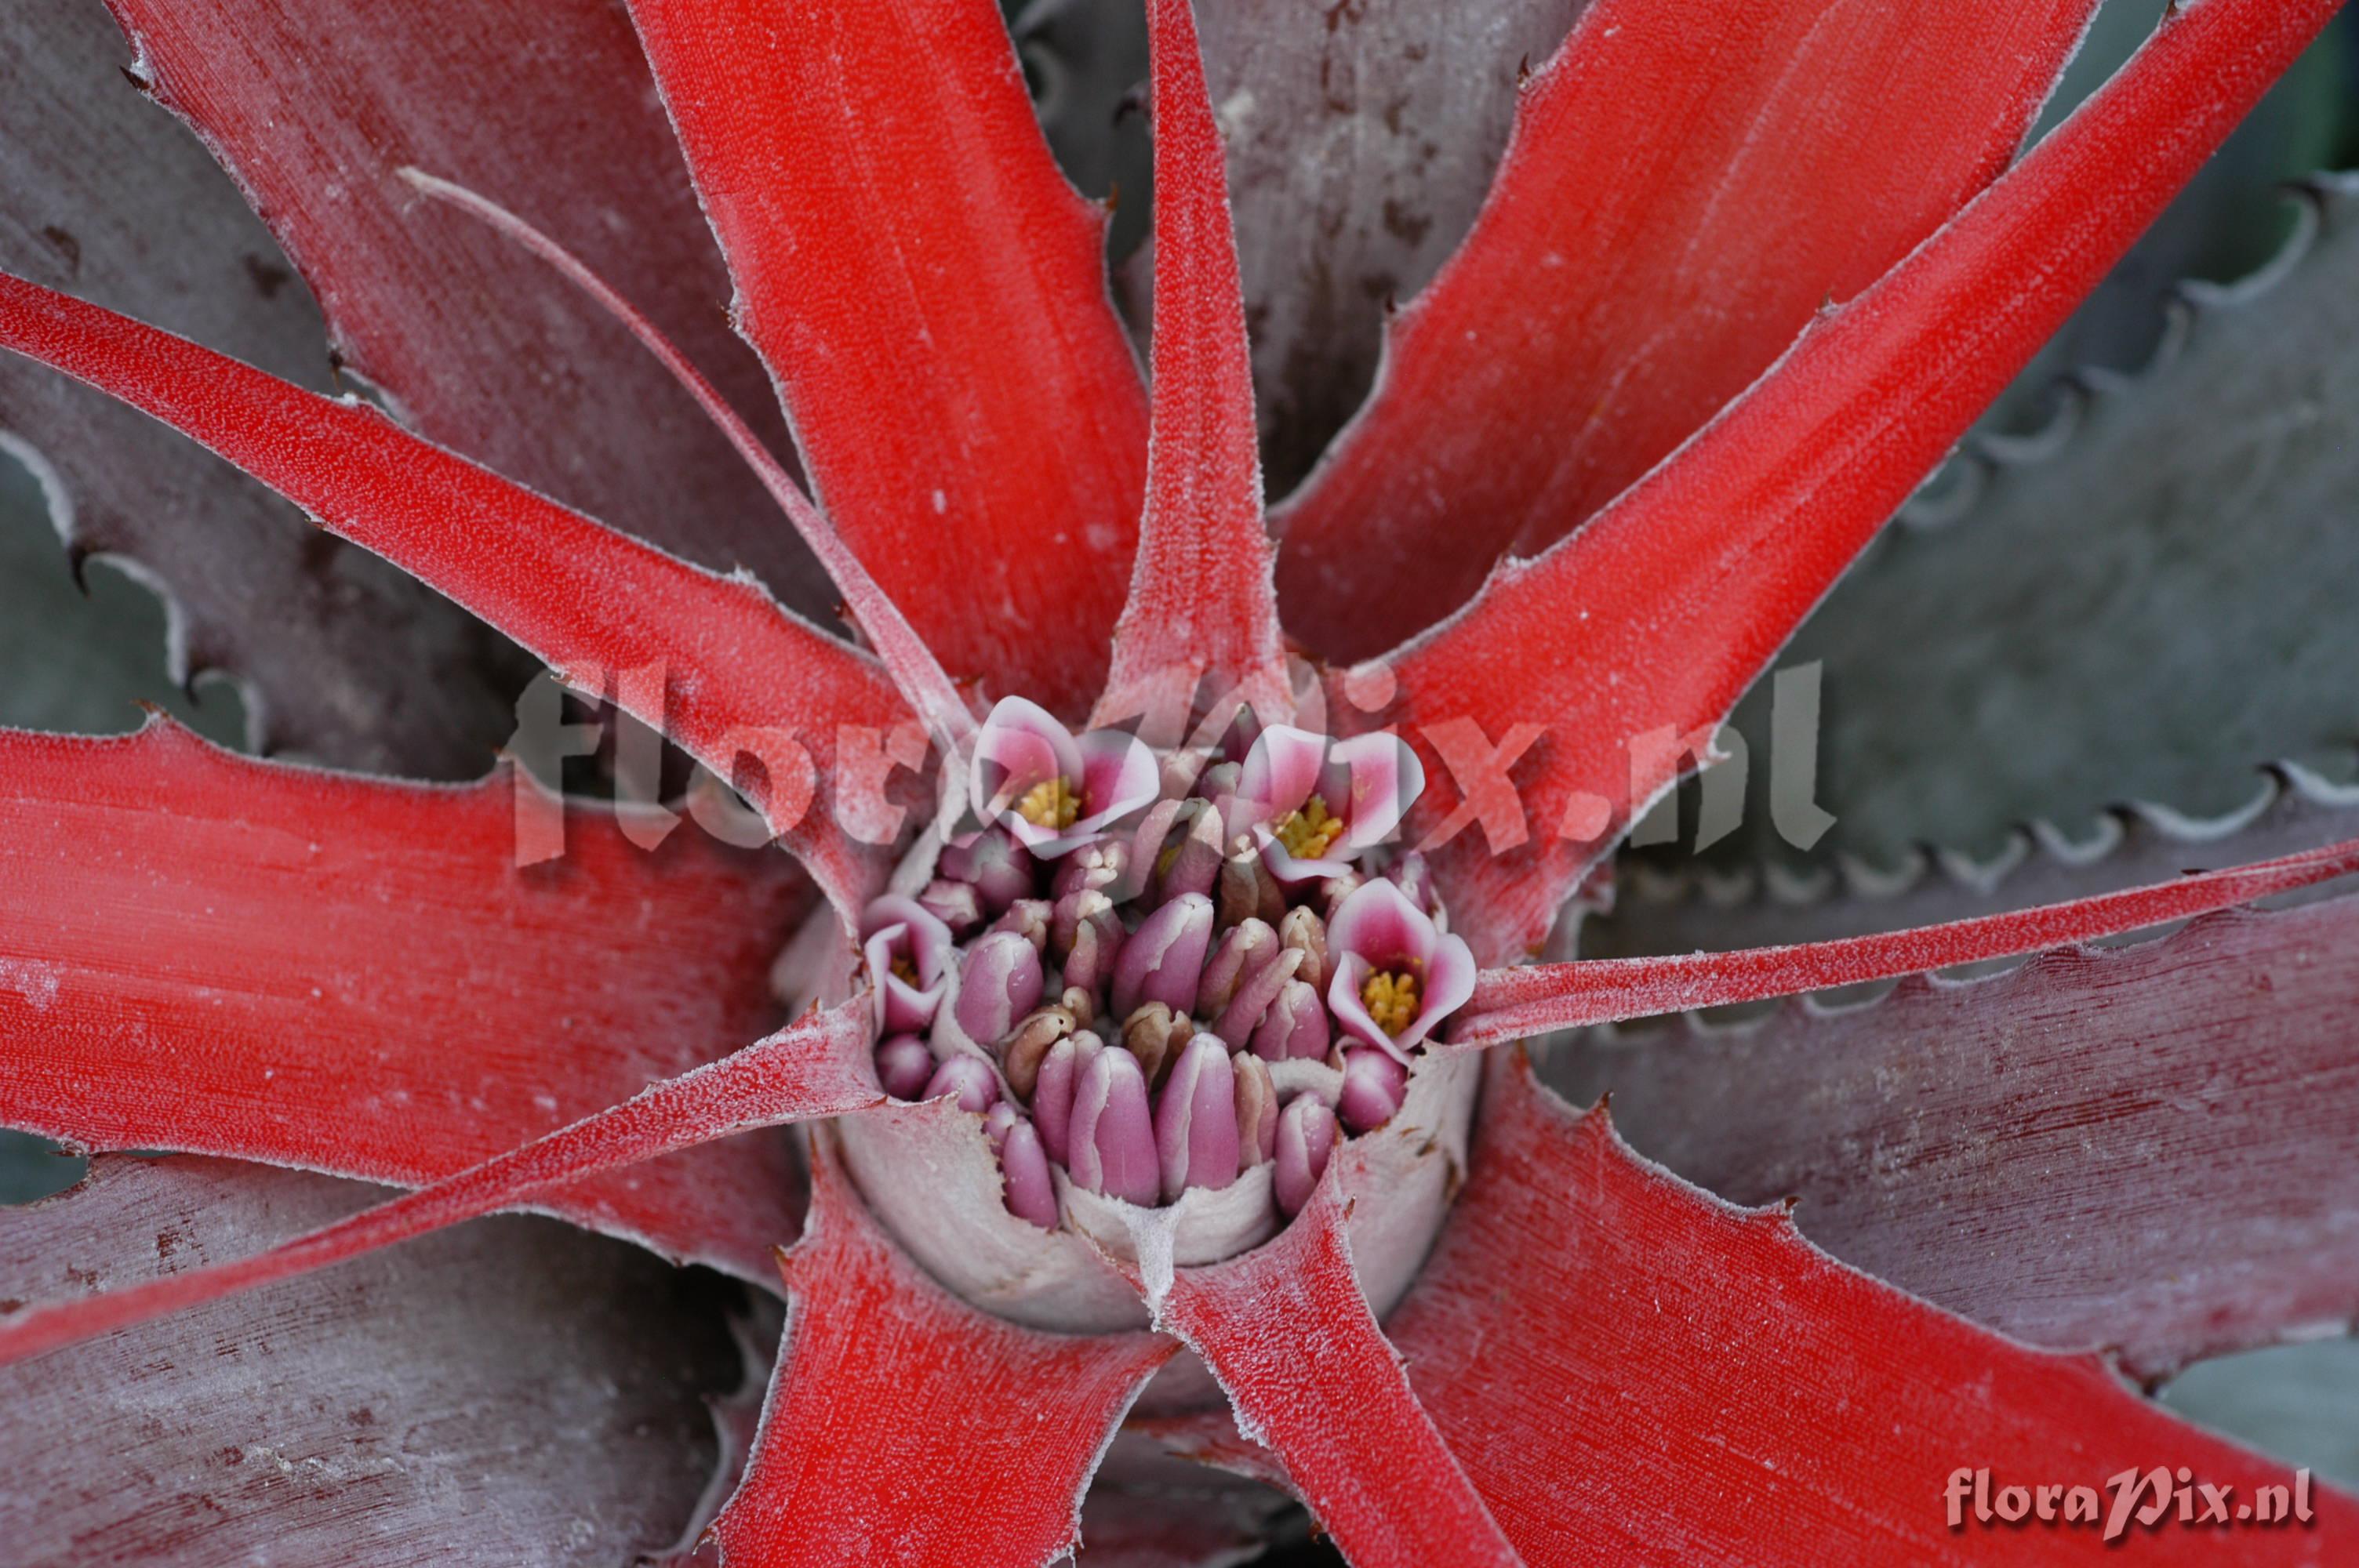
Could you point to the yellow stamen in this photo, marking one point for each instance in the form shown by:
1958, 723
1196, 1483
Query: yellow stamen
1390, 997
1052, 802
1309, 833
906, 970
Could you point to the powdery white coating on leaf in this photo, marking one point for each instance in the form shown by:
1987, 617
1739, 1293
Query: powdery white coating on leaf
712, 661
262, 962
104, 195
905, 1427
514, 1391
929, 297
2291, 808
1622, 284
2154, 1148
548, 111
1730, 546
1685, 1336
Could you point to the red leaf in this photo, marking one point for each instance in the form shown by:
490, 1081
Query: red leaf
548, 110
2154, 1149
742, 673
815, 1068
1510, 1005
354, 664
1686, 184
1201, 600
1633, 1372
252, 959
1687, 586
906, 1427
513, 1392
929, 295
1290, 1336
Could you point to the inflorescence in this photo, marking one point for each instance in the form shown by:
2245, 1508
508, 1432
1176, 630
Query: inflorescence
1152, 994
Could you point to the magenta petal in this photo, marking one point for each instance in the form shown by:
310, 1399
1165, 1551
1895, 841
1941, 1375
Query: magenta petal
1196, 1124
1450, 976
1371, 782
1374, 1087
1113, 1133
1118, 776
1031, 1196
1164, 960
903, 1064
1306, 1137
967, 1079
896, 927
1281, 772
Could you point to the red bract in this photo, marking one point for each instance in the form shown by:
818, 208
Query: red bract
1601, 1363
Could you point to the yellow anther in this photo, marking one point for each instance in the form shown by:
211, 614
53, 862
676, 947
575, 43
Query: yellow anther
1052, 802
1390, 997
906, 971
1309, 833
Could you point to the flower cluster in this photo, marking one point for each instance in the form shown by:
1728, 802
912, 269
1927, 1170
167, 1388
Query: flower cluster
1155, 973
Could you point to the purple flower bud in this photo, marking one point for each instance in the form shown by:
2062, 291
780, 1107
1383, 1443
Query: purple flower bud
1163, 958
1096, 944
1256, 1111
1112, 1132
1374, 1087
1193, 865
1246, 890
956, 904
903, 1065
999, 1119
1000, 984
1300, 928
1295, 1026
1029, 918
1053, 1091
1196, 1120
1104, 865
1031, 1196
1242, 949
907, 951
1001, 869
969, 1079
1306, 1138
1251, 1004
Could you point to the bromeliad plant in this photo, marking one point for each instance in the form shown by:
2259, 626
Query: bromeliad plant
1161, 1082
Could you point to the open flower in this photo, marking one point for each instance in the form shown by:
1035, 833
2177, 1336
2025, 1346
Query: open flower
1314, 804
1159, 1218
1053, 792
1397, 977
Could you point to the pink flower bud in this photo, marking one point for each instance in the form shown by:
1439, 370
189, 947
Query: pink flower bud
1193, 865
1306, 1138
1242, 949
1112, 1131
1196, 1120
968, 1079
1245, 1010
1029, 918
1295, 1026
956, 904
1163, 958
1374, 1087
1000, 870
1031, 1196
1000, 983
1053, 1091
999, 1119
1300, 928
1102, 866
903, 1065
1256, 1111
